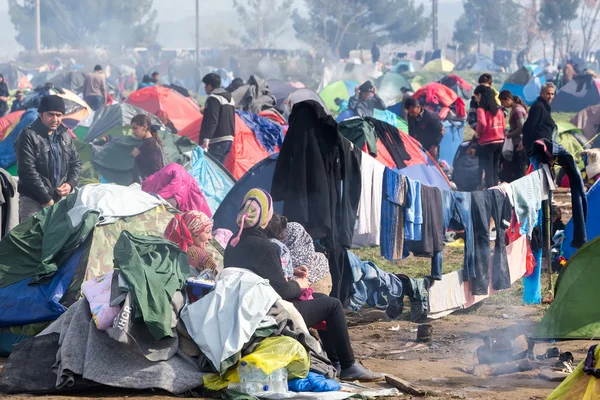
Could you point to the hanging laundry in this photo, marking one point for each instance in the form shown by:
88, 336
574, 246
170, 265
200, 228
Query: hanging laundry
457, 214
413, 212
392, 214
432, 234
417, 291
369, 208
485, 205
527, 200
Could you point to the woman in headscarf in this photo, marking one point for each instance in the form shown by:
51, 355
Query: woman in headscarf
294, 238
191, 231
251, 249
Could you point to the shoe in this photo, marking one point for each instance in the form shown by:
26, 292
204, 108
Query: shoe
338, 368
359, 373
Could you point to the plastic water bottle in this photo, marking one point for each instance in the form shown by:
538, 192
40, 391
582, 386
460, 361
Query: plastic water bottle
253, 380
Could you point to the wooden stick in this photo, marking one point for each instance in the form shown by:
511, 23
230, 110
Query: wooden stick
404, 386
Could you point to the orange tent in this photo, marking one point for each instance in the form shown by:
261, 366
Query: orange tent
9, 120
245, 152
181, 110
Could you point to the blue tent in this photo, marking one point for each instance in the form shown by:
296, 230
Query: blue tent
526, 83
8, 157
212, 177
259, 176
453, 137
592, 227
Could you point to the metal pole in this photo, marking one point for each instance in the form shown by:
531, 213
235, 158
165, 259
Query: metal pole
434, 17
197, 32
38, 28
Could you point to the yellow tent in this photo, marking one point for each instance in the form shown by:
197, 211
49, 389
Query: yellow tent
438, 65
578, 385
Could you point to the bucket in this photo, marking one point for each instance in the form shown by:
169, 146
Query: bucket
424, 333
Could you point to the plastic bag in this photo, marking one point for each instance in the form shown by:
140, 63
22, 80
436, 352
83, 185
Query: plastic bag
507, 150
271, 354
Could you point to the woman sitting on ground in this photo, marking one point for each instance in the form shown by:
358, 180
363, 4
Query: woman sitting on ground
251, 249
191, 231
301, 248
149, 154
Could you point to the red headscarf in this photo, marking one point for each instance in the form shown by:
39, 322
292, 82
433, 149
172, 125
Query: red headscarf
183, 227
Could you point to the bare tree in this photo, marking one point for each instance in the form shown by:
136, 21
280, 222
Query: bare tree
588, 15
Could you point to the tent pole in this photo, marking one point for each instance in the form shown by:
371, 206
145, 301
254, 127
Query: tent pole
547, 243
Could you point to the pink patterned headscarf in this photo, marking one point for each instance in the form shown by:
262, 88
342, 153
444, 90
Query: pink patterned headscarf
184, 227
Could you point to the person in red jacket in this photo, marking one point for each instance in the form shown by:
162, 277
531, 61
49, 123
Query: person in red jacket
489, 133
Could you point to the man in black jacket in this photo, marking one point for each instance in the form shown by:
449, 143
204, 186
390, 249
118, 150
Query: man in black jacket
218, 124
47, 160
539, 123
424, 125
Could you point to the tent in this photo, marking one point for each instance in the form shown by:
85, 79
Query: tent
113, 121
574, 313
71, 80
418, 166
580, 385
442, 100
245, 152
302, 95
180, 109
588, 120
477, 62
571, 138
581, 92
592, 227
438, 65
403, 66
342, 89
280, 90
212, 177
259, 176
8, 122
526, 83
389, 87
73, 103
451, 141
8, 156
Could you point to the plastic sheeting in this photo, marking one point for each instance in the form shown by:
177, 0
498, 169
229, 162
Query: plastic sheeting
214, 180
23, 303
269, 134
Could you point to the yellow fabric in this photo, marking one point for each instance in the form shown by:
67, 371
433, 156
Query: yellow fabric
438, 65
457, 243
271, 354
579, 386
10, 128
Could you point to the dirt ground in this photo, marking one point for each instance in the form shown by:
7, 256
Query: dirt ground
441, 366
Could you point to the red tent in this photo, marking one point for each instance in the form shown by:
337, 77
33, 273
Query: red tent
245, 152
436, 95
181, 110
9, 120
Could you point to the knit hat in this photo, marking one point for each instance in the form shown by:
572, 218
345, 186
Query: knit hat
256, 211
52, 103
366, 87
184, 227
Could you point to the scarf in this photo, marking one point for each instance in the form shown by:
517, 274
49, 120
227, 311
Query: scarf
184, 227
256, 211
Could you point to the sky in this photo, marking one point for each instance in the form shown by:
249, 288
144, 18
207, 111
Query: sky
218, 18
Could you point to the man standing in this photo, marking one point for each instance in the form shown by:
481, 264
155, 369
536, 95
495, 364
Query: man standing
218, 124
365, 100
4, 96
539, 123
155, 78
47, 160
375, 53
424, 125
94, 88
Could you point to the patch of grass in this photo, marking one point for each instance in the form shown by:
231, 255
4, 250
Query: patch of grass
415, 267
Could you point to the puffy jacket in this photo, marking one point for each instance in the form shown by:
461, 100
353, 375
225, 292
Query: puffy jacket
218, 123
34, 162
490, 127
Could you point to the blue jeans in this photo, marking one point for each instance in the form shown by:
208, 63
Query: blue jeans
220, 150
95, 102
457, 209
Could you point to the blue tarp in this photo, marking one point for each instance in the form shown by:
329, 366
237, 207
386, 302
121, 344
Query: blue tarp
429, 175
214, 180
7, 147
268, 133
344, 115
453, 137
23, 303
259, 176
592, 227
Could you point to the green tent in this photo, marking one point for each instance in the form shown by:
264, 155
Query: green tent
341, 89
112, 121
570, 137
575, 314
